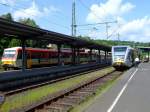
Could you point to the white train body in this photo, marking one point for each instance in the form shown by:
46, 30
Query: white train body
122, 56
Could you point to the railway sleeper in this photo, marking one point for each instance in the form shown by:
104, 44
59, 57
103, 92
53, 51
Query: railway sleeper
75, 96
81, 94
78, 99
56, 104
61, 108
70, 100
65, 102
93, 86
88, 89
85, 93
50, 110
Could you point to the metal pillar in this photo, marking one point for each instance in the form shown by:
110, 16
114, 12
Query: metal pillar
73, 55
90, 55
105, 56
73, 26
78, 56
99, 56
148, 55
23, 55
59, 54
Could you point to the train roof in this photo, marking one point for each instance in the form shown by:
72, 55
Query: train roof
42, 49
30, 48
123, 46
12, 48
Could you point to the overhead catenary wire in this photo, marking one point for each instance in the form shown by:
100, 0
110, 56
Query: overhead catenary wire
63, 26
105, 11
113, 32
86, 7
97, 23
106, 23
60, 12
95, 14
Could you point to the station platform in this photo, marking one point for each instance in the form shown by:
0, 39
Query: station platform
28, 72
130, 93
33, 70
47, 71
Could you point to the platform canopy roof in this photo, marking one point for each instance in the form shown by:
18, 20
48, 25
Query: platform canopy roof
21, 31
144, 48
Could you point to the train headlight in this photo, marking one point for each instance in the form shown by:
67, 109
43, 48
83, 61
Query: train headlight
119, 58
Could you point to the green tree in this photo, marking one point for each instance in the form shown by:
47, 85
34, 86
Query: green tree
85, 38
14, 43
28, 21
32, 43
7, 16
5, 41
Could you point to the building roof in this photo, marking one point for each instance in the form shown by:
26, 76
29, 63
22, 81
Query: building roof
21, 31
144, 48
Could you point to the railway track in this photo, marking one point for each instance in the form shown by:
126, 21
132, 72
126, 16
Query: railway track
16, 89
65, 100
18, 81
6, 93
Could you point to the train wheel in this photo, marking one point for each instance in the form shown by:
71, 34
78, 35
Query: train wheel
5, 69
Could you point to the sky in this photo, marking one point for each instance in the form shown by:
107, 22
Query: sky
129, 19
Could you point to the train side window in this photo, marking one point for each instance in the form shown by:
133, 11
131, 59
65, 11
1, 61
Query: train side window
129, 56
35, 55
19, 54
28, 55
49, 55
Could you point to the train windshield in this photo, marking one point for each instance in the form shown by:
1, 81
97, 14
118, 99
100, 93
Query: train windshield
9, 53
120, 49
119, 52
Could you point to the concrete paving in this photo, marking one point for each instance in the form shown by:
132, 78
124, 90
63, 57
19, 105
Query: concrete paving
131, 93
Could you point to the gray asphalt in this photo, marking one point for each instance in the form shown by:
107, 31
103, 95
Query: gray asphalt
135, 97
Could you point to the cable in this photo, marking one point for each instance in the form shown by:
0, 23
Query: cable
107, 22
60, 12
89, 9
66, 27
113, 32
82, 3
109, 36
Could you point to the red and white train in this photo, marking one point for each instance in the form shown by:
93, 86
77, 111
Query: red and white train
12, 57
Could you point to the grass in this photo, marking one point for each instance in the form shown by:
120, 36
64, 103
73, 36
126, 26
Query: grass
32, 96
1, 69
89, 100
